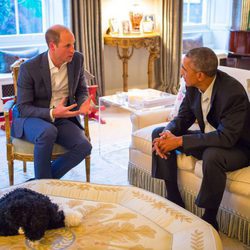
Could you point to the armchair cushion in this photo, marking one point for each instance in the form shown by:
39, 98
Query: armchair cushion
24, 147
238, 181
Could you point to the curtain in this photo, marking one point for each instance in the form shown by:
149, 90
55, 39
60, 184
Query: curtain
240, 14
86, 26
245, 14
236, 14
168, 68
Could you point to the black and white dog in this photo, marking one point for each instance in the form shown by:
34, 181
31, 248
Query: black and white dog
31, 212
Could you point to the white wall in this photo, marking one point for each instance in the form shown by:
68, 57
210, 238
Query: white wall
137, 66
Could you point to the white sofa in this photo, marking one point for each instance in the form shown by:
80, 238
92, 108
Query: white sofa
234, 213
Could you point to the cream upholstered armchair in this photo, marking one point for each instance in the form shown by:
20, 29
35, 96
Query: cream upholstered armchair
18, 149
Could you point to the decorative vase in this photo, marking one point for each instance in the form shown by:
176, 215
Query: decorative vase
135, 16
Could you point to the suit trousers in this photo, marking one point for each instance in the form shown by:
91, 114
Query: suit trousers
215, 163
64, 132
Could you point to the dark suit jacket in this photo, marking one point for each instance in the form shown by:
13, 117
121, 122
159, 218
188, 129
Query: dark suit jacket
229, 114
34, 90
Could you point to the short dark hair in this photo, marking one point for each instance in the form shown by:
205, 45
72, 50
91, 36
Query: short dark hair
204, 60
53, 33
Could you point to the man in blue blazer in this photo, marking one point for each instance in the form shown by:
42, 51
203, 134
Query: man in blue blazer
220, 105
51, 94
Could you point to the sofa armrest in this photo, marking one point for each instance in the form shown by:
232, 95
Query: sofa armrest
141, 119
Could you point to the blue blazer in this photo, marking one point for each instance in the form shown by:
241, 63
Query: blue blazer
34, 90
229, 115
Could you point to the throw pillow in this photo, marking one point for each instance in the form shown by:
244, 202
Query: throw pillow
8, 57
179, 98
192, 42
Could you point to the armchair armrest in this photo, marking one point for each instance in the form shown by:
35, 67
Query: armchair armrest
8, 105
143, 119
8, 117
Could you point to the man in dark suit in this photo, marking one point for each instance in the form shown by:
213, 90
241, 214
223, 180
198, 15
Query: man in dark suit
220, 105
51, 94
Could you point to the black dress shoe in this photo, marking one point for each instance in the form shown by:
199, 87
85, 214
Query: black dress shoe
179, 201
213, 222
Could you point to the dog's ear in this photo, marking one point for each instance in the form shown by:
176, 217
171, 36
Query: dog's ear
13, 216
36, 226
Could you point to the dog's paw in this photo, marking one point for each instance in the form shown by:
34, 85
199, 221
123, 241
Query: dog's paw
34, 244
20, 230
73, 218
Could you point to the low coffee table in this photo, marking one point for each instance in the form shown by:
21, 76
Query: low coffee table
138, 99
114, 107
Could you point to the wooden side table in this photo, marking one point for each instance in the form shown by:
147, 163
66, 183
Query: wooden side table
125, 45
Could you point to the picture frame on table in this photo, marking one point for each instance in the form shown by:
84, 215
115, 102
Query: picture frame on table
113, 26
148, 24
126, 29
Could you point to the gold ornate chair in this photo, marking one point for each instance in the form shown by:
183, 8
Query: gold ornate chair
18, 149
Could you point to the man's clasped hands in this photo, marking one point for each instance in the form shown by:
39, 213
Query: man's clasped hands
166, 143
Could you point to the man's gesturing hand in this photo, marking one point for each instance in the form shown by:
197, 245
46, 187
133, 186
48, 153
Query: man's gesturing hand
85, 107
60, 111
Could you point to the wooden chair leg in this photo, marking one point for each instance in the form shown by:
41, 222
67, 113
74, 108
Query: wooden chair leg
87, 166
24, 167
11, 172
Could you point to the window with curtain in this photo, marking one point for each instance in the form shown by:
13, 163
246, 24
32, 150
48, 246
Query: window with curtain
23, 22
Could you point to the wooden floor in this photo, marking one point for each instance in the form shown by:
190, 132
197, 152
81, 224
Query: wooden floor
109, 158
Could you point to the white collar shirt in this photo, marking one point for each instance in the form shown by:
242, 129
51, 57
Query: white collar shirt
206, 105
59, 83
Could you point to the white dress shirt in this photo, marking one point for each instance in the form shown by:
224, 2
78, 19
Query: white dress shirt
59, 84
205, 106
